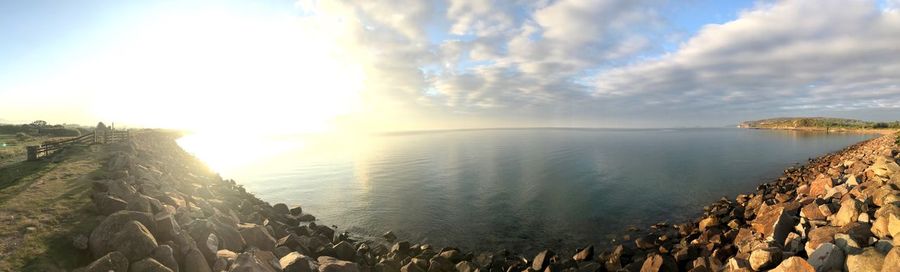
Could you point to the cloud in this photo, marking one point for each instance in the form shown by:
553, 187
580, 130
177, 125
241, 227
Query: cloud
791, 56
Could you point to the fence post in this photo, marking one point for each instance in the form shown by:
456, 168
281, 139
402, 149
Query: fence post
32, 152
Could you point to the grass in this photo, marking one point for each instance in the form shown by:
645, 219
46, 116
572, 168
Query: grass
12, 150
44, 204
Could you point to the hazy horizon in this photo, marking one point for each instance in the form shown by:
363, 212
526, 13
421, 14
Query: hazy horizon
308, 66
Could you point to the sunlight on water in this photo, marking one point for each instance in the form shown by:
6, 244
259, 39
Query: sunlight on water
227, 153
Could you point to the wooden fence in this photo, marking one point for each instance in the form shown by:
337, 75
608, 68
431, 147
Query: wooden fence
36, 152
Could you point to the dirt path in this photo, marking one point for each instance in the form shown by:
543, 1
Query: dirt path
43, 205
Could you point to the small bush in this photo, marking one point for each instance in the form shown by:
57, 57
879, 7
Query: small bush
60, 132
21, 136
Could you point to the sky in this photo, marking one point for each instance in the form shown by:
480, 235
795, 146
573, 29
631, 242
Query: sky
297, 66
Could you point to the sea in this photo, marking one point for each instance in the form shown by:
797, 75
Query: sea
518, 189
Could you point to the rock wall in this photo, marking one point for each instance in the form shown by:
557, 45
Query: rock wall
165, 211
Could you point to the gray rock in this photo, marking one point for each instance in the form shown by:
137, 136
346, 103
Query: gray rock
107, 204
847, 244
228, 234
297, 210
344, 251
281, 251
257, 236
166, 256
248, 262
411, 267
80, 241
389, 236
113, 261
827, 257
387, 265
195, 262
148, 265
134, 241
440, 264
281, 208
99, 241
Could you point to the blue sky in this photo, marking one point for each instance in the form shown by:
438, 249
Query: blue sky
452, 63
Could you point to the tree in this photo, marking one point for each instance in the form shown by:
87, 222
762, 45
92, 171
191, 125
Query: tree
39, 123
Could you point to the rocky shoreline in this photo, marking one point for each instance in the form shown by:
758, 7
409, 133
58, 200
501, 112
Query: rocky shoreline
165, 211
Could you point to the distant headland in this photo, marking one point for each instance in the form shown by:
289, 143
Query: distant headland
819, 123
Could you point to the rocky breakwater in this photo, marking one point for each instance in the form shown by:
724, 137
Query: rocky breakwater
165, 211
840, 212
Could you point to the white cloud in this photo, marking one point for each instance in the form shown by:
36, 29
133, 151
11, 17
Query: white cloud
818, 56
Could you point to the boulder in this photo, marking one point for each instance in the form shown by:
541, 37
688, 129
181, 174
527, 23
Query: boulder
818, 236
387, 265
849, 212
894, 225
228, 234
868, 260
134, 241
281, 209
80, 241
585, 254
794, 264
257, 236
166, 256
820, 185
148, 265
542, 259
765, 258
195, 262
249, 262
296, 262
774, 223
107, 204
297, 210
811, 212
892, 260
411, 267
440, 264
344, 251
330, 264
99, 242
827, 257
389, 236
658, 262
708, 222
401, 247
466, 266
113, 261
166, 227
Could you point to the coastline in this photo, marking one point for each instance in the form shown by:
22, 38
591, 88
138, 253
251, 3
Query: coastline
164, 209
838, 130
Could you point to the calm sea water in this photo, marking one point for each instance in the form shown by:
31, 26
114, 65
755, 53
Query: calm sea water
527, 189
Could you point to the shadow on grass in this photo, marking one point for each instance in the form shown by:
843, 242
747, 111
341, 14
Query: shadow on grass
13, 177
51, 249
61, 254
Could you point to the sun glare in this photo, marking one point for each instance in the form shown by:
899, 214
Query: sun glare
217, 72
